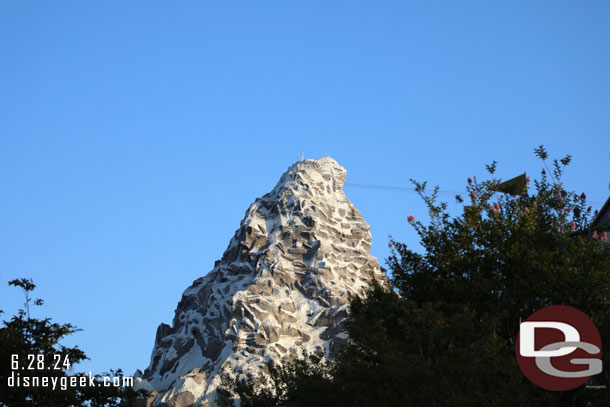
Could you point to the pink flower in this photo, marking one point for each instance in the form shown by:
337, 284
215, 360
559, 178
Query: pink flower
411, 218
390, 245
527, 180
604, 237
594, 235
526, 210
573, 226
583, 196
535, 204
589, 209
495, 209
559, 198
568, 209
567, 259
472, 194
501, 196
466, 208
469, 180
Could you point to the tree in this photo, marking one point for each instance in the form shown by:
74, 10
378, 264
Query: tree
31, 348
303, 381
445, 334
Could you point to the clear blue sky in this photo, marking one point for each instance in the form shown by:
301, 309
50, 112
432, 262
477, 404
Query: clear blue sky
134, 135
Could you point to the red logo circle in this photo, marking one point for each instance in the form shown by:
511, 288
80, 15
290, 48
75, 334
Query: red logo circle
558, 348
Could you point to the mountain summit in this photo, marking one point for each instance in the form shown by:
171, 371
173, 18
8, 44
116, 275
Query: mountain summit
281, 287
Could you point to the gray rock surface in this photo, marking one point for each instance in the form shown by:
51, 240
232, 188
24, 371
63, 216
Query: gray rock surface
281, 287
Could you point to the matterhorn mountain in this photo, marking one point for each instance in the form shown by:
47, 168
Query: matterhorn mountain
281, 287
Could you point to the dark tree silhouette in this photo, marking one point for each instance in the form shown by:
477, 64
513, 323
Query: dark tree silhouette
30, 347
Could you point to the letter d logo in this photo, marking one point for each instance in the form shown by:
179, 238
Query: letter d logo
527, 335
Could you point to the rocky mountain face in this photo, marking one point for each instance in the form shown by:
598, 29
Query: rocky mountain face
281, 287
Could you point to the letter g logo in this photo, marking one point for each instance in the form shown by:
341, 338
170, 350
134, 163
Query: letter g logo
551, 347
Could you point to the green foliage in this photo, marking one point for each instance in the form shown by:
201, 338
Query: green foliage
445, 334
29, 337
301, 382
411, 354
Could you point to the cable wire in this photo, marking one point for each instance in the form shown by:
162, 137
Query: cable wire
445, 192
